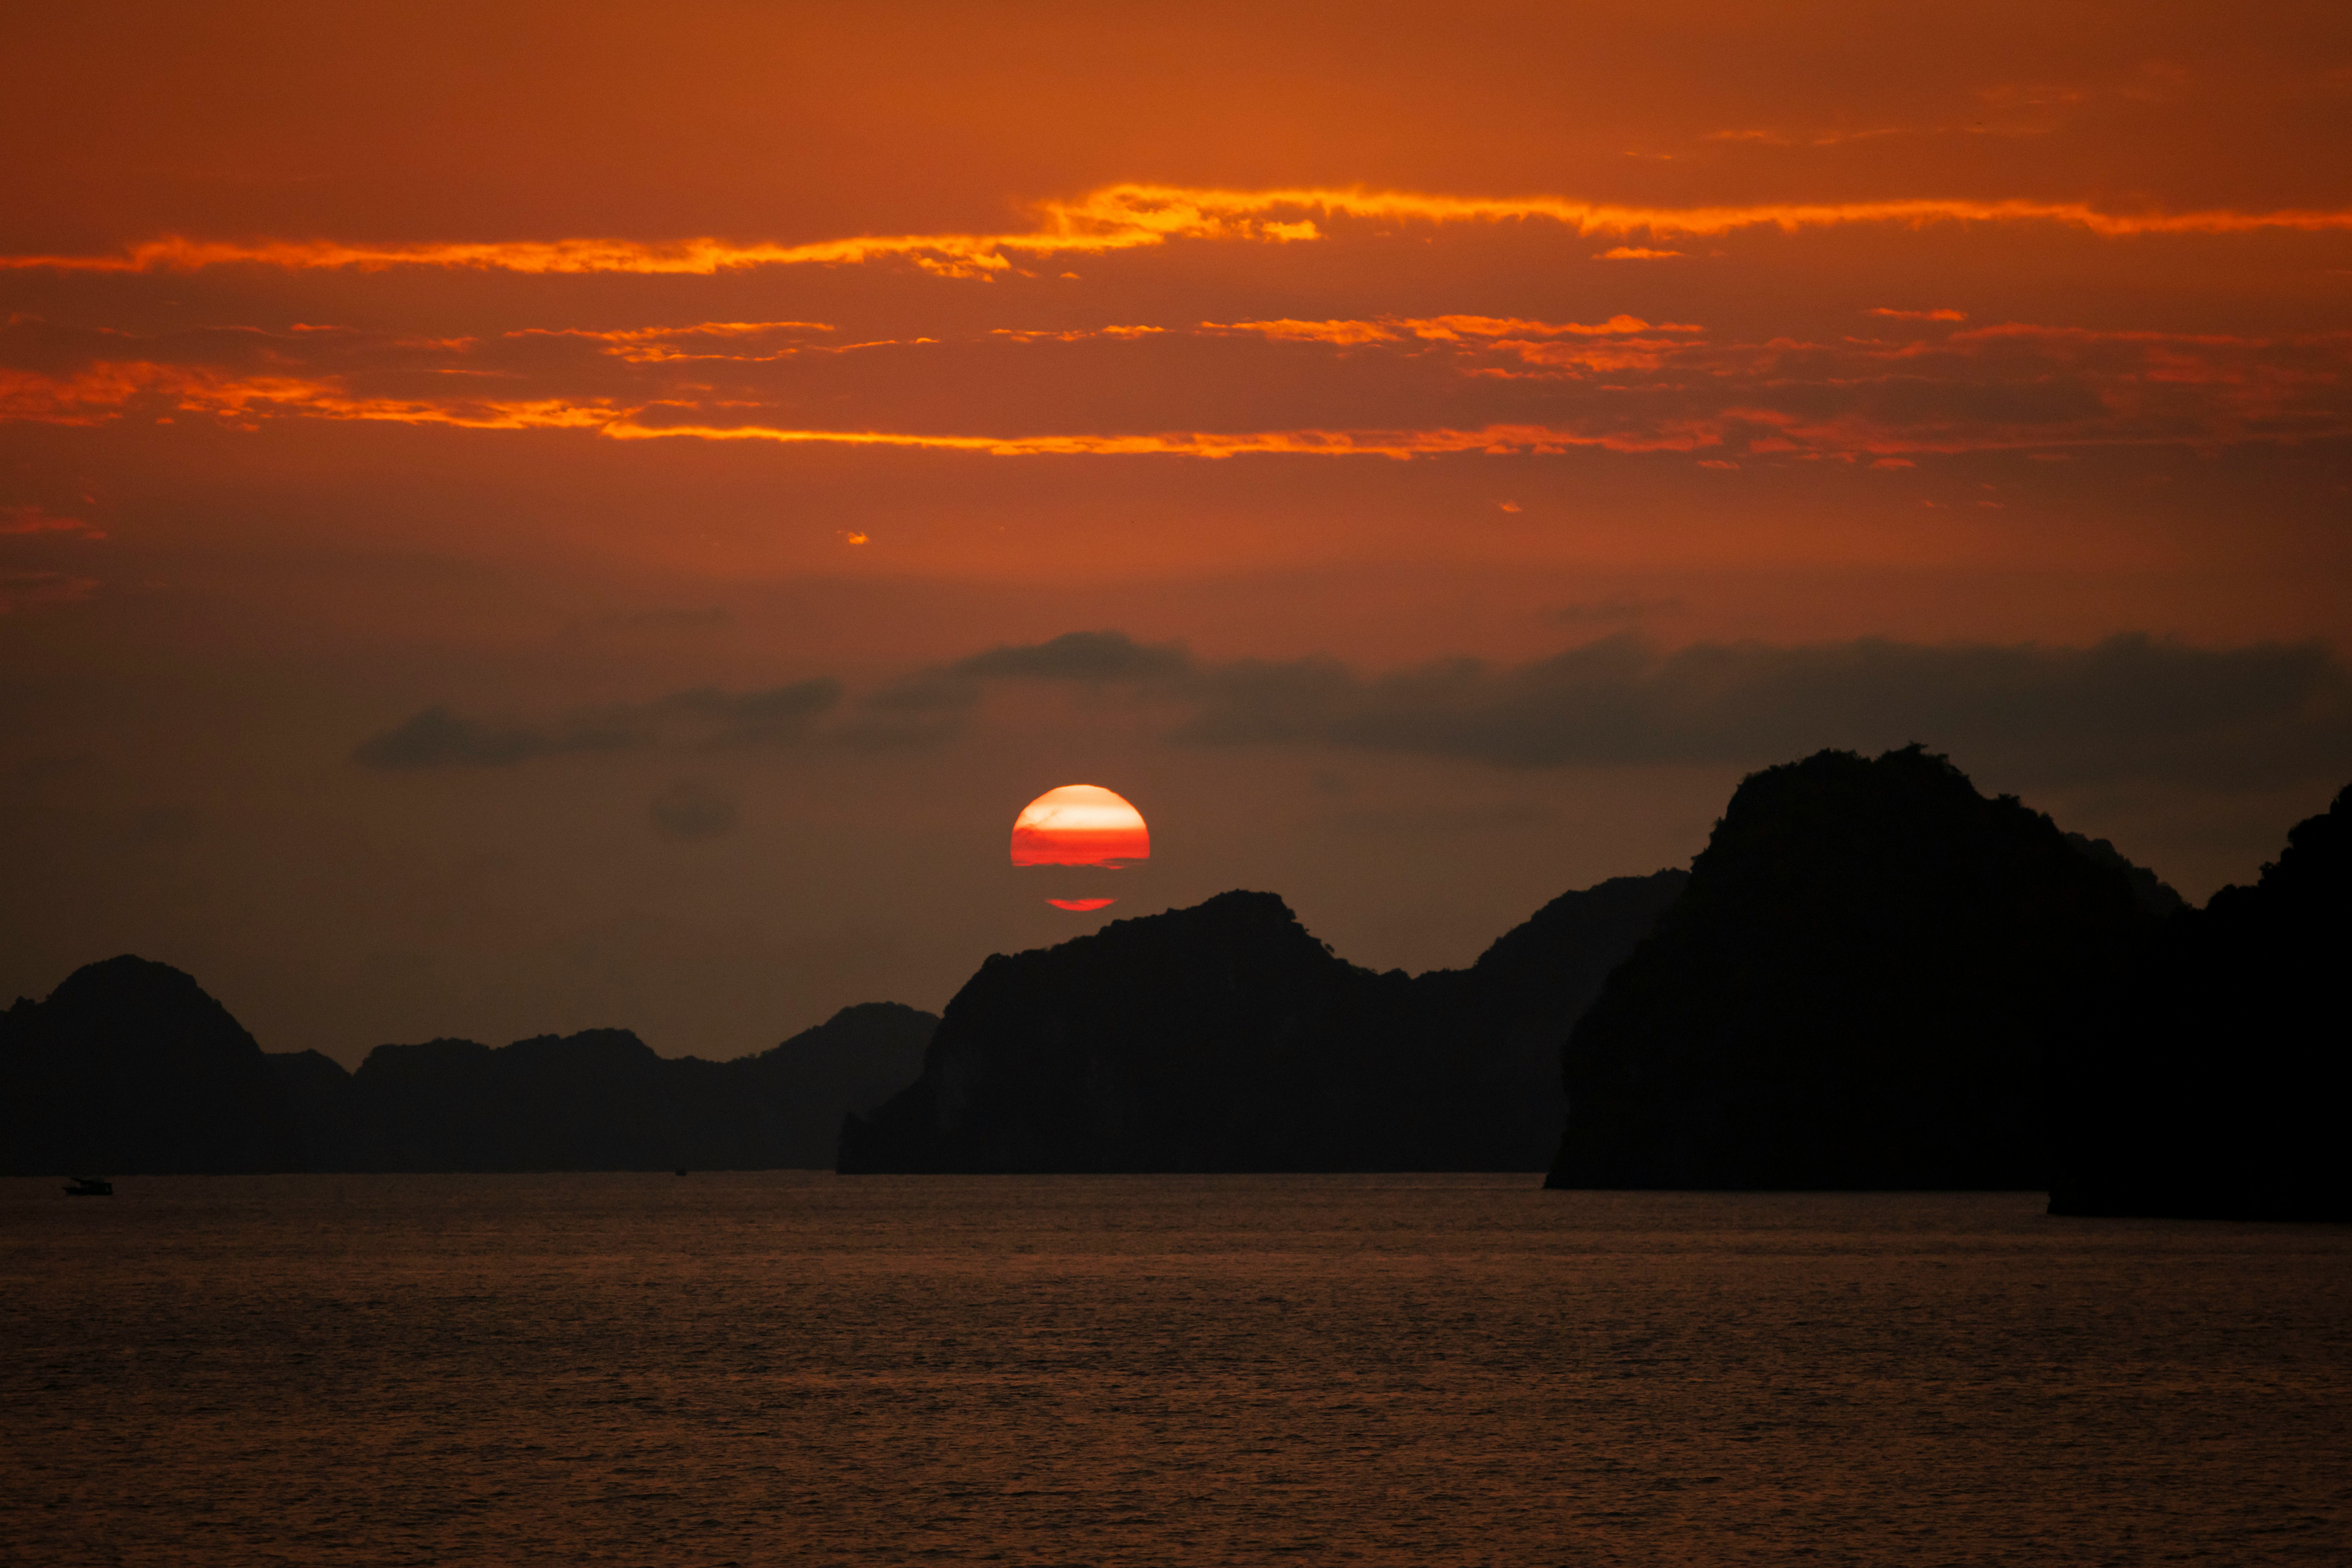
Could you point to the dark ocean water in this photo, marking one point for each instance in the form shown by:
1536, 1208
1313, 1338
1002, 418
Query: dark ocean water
791, 1368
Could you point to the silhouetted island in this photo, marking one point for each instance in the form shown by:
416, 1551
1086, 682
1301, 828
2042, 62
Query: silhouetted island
602, 1101
130, 1068
1225, 1038
1857, 990
2215, 1086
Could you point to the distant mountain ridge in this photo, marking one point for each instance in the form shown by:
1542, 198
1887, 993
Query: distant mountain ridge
602, 1101
131, 1068
1226, 1037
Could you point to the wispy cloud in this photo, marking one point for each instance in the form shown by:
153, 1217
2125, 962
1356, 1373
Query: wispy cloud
1135, 215
1440, 329
34, 519
1072, 335
100, 392
1620, 383
1397, 444
732, 342
1937, 315
29, 590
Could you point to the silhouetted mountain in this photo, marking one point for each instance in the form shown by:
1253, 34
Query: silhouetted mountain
1504, 1019
851, 1063
2216, 1086
1224, 1038
602, 1101
1856, 990
2151, 892
130, 1068
319, 1091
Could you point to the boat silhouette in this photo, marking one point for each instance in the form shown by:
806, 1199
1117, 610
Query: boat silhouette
90, 1187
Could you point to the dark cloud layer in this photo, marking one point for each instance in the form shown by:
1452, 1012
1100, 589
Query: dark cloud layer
1082, 655
2131, 707
922, 711
438, 738
777, 716
704, 717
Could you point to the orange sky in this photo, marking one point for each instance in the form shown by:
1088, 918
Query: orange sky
515, 518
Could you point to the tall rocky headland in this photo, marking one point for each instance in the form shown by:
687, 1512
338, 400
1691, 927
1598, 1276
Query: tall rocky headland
1226, 1037
1860, 989
2217, 1083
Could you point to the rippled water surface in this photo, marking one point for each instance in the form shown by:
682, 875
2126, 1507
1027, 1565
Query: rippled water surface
795, 1368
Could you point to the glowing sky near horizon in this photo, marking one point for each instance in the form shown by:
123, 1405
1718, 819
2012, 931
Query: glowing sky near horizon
517, 518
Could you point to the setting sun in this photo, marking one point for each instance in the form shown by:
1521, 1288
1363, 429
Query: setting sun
1080, 825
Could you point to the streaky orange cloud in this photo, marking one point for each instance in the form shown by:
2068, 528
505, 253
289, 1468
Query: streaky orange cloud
2041, 332
658, 345
1499, 439
1340, 333
1178, 209
1939, 315
1132, 216
102, 391
1047, 335
2004, 387
25, 520
1439, 329
953, 254
1520, 326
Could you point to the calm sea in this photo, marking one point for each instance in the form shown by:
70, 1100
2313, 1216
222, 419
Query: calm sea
793, 1368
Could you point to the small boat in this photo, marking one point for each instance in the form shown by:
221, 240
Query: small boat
90, 1187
